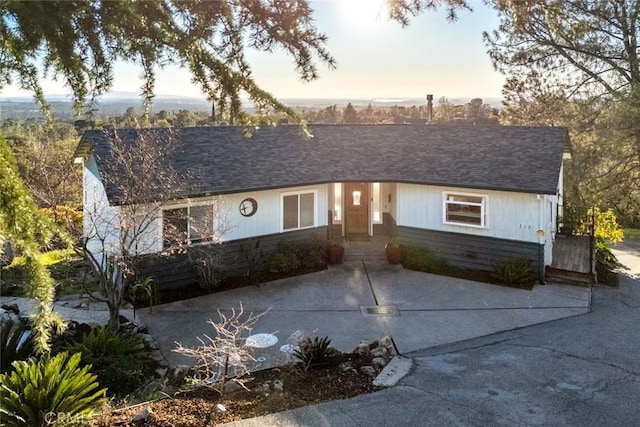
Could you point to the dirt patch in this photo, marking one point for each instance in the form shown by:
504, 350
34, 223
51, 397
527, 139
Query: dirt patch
271, 390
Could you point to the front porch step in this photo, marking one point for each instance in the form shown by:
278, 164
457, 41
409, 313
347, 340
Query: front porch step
571, 277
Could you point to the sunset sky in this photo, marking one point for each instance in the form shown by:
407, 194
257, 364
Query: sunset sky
375, 58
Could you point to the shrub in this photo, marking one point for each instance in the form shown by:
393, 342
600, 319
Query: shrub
143, 292
49, 391
313, 254
285, 259
314, 352
255, 261
421, 259
514, 272
16, 343
118, 360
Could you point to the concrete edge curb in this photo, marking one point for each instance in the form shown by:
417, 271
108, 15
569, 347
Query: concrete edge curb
395, 370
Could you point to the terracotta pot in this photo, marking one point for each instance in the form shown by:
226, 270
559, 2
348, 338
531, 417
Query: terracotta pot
394, 254
336, 254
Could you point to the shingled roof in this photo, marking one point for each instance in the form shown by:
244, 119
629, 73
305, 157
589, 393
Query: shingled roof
220, 160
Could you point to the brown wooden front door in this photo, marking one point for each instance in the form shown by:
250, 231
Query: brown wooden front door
357, 209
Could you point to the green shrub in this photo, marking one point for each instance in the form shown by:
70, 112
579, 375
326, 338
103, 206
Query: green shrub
119, 361
312, 254
314, 352
12, 344
285, 259
421, 259
514, 272
49, 391
254, 257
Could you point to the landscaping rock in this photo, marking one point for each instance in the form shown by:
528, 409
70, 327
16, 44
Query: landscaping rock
379, 363
161, 372
368, 370
141, 417
380, 352
362, 349
387, 343
348, 367
12, 308
278, 385
232, 386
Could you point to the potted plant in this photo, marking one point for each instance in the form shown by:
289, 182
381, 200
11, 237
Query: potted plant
393, 251
335, 253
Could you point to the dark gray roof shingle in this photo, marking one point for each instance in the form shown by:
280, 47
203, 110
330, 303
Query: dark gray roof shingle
221, 160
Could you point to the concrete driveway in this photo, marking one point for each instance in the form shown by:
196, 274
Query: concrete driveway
579, 371
424, 310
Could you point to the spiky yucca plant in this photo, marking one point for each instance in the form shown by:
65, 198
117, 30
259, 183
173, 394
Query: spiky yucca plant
49, 391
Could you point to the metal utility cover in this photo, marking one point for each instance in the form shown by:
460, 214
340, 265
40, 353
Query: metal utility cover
380, 310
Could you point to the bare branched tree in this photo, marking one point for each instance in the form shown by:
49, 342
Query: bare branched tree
228, 348
135, 217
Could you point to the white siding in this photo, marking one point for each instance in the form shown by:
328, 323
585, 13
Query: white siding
267, 219
100, 221
513, 216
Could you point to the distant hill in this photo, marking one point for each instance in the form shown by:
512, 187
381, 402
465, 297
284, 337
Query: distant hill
116, 103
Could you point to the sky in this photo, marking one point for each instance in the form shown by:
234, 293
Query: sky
376, 59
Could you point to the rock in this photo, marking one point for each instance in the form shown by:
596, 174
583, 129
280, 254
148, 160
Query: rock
156, 356
141, 327
278, 385
149, 342
379, 363
368, 370
386, 342
161, 372
7, 316
12, 308
141, 417
362, 349
347, 367
380, 352
180, 371
231, 386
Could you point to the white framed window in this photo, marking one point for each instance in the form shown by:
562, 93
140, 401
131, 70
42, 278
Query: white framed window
298, 209
186, 225
465, 209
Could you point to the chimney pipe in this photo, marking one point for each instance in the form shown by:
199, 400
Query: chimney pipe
430, 107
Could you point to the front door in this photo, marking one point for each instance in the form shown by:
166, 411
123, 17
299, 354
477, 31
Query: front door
357, 209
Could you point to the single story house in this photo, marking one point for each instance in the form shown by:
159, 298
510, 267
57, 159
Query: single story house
472, 194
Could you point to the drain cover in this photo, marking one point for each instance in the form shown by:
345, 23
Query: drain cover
380, 310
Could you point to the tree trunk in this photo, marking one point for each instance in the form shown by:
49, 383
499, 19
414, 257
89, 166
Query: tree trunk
114, 317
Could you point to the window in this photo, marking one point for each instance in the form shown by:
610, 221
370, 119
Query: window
298, 210
187, 225
337, 202
376, 206
465, 209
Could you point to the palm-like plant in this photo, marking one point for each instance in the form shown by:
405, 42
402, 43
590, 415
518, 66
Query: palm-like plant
16, 343
49, 391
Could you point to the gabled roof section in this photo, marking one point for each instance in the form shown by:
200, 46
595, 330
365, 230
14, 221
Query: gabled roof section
220, 160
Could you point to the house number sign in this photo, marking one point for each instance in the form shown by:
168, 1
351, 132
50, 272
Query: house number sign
248, 207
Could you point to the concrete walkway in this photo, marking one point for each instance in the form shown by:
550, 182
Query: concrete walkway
428, 310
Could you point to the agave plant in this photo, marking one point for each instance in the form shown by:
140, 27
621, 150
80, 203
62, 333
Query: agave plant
49, 391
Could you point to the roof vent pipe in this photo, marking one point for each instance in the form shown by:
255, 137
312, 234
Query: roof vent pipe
430, 108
